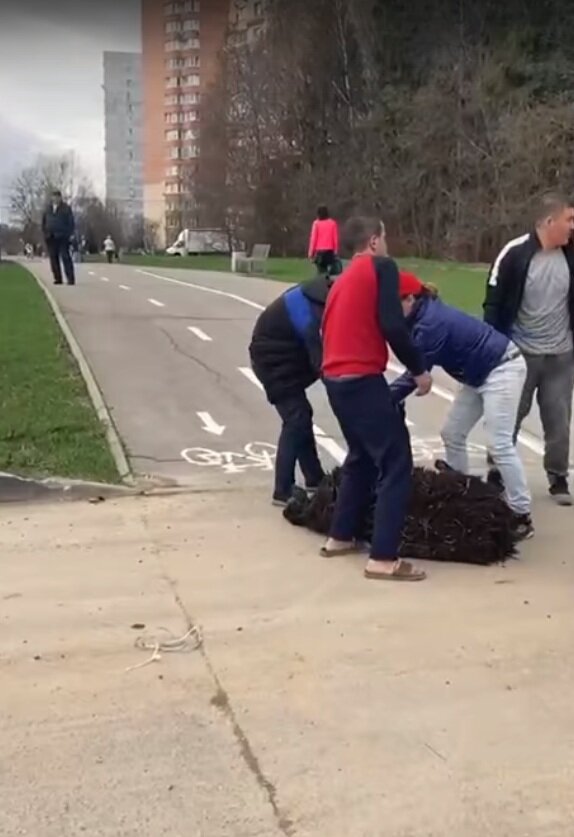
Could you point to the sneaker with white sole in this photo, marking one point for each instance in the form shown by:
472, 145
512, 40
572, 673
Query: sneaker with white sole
524, 527
559, 491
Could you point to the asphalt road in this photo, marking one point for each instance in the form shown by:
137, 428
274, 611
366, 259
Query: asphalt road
169, 351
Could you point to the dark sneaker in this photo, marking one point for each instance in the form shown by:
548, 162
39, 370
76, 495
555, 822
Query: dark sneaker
494, 478
524, 527
560, 492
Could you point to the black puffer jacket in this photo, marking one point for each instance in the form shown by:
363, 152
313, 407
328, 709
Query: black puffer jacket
285, 348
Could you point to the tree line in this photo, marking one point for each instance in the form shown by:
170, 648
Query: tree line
31, 190
446, 117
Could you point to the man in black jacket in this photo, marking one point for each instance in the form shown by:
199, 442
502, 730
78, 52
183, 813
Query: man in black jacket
530, 298
58, 230
286, 356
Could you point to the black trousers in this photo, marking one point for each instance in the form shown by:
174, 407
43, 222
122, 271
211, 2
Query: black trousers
325, 259
296, 445
59, 253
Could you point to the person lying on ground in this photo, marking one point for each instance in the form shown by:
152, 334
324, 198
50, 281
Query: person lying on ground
363, 317
286, 356
530, 298
492, 371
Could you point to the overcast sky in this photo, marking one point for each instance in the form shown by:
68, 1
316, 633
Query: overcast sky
51, 75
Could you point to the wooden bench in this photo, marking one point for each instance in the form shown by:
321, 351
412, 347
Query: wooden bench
256, 262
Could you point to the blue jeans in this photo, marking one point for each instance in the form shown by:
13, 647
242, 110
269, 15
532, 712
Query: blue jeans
296, 445
497, 399
379, 461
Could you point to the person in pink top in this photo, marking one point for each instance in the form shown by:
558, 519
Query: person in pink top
324, 242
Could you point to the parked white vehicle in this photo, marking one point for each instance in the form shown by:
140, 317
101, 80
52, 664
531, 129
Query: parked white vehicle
198, 241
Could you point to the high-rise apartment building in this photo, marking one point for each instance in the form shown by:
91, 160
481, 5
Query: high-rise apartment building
183, 42
123, 131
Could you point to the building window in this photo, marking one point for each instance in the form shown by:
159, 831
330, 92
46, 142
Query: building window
172, 46
190, 116
190, 99
172, 135
190, 43
172, 171
174, 152
191, 6
171, 100
190, 81
172, 26
172, 81
258, 9
191, 134
191, 24
189, 151
191, 61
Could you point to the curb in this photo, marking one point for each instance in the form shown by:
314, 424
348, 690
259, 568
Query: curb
112, 436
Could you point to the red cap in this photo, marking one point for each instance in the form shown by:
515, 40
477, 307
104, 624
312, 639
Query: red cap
409, 284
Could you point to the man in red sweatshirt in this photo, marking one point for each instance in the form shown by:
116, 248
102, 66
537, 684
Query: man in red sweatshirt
363, 317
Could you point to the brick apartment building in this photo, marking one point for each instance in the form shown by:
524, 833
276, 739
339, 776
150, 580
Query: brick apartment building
182, 45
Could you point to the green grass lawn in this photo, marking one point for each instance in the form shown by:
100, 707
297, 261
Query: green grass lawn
48, 426
461, 285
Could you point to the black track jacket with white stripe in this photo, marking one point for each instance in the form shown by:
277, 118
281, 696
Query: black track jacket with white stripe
507, 278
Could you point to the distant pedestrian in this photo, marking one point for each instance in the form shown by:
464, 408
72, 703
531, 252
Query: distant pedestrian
29, 251
530, 299
110, 249
58, 230
324, 242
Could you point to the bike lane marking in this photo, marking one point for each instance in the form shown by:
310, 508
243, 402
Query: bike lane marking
527, 439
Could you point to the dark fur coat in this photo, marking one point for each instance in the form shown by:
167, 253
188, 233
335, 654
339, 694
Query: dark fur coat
452, 517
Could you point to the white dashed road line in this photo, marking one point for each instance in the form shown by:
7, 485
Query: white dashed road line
91, 273
156, 302
200, 334
251, 376
125, 287
104, 278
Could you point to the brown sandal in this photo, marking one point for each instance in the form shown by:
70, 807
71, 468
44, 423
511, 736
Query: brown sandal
402, 571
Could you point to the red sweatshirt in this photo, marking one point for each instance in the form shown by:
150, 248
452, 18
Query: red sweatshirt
324, 236
362, 313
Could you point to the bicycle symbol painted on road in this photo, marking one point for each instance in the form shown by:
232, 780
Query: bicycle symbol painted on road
261, 455
432, 447
258, 455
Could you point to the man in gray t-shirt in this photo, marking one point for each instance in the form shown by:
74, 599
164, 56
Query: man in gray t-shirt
530, 297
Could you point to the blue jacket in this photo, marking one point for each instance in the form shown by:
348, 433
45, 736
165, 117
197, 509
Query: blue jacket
285, 349
466, 348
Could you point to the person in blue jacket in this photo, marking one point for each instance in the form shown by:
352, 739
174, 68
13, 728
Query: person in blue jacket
286, 355
492, 372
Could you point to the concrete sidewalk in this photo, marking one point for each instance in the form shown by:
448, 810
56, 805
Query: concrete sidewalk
320, 703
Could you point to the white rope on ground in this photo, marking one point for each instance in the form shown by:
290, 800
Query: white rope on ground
190, 641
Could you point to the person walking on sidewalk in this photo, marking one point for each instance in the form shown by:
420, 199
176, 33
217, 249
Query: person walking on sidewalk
324, 243
286, 354
363, 317
109, 248
58, 230
530, 298
492, 372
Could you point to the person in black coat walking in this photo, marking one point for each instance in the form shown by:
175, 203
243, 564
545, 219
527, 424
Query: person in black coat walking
286, 355
58, 230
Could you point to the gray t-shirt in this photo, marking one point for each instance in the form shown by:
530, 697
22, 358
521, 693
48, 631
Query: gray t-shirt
543, 325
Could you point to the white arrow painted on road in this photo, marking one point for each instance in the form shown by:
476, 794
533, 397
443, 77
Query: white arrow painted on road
210, 425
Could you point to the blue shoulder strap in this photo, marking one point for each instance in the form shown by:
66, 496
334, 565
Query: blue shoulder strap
299, 310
